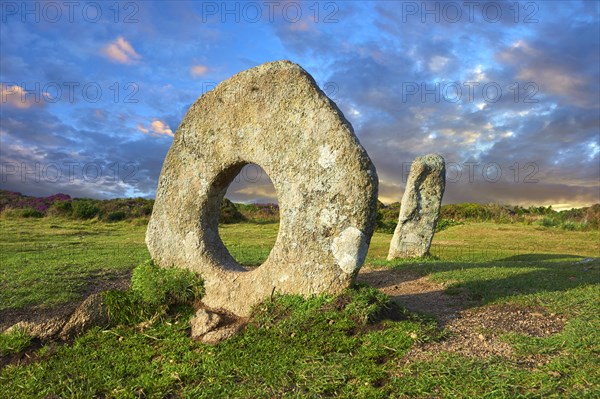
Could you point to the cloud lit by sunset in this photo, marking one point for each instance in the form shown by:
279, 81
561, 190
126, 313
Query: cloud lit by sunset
509, 99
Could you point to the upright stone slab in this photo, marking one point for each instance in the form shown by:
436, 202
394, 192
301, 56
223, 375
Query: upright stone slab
273, 115
420, 208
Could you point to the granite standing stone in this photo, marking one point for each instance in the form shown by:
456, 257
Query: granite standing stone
420, 208
273, 115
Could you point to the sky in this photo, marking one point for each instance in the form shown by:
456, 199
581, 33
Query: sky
508, 93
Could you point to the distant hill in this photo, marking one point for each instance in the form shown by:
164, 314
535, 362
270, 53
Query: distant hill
14, 204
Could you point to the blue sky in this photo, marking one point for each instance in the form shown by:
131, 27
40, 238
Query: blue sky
507, 92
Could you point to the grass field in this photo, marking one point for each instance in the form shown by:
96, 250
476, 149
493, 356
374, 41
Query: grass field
357, 346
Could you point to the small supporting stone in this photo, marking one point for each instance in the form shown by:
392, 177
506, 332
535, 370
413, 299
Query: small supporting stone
45, 330
211, 327
203, 322
420, 208
222, 333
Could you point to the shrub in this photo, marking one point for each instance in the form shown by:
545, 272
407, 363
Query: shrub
387, 217
60, 208
140, 221
10, 199
12, 213
144, 210
443, 224
85, 209
259, 213
466, 211
116, 216
574, 214
386, 227
592, 216
230, 213
570, 226
548, 222
541, 210
500, 213
31, 213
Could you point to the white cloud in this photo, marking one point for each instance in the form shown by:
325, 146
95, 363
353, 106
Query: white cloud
300, 26
355, 112
17, 97
560, 78
142, 129
156, 128
121, 51
198, 70
437, 63
478, 74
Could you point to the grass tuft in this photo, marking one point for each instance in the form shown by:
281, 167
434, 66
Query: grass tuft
154, 290
155, 285
14, 342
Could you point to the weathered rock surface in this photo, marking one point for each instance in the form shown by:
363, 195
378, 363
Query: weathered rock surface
222, 333
273, 115
92, 312
211, 327
203, 322
420, 208
43, 330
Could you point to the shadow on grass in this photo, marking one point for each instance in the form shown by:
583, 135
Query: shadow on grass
471, 284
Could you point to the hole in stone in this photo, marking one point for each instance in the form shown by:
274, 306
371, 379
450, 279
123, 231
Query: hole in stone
249, 219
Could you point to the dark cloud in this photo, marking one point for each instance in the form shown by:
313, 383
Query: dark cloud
545, 125
554, 134
42, 155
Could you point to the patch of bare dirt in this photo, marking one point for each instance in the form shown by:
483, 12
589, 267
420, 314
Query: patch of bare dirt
476, 332
471, 332
416, 293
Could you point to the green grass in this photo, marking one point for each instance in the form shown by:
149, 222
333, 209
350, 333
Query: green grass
352, 346
294, 347
556, 282
249, 243
47, 261
14, 342
153, 292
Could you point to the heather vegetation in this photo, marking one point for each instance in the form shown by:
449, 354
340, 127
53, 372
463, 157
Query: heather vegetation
454, 214
14, 204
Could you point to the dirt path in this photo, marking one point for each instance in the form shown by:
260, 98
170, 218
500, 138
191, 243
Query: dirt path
415, 293
472, 331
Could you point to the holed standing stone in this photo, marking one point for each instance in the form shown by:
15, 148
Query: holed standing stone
273, 115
